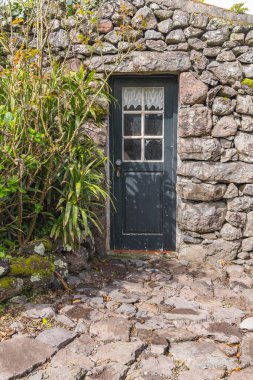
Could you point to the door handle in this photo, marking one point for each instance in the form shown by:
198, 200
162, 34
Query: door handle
118, 164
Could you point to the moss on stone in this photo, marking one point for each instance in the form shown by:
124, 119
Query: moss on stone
7, 282
248, 82
30, 266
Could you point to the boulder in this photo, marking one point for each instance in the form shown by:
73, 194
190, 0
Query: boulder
223, 106
247, 245
104, 26
229, 232
225, 127
247, 190
195, 121
216, 37
249, 38
144, 19
156, 45
10, 287
165, 26
246, 123
59, 39
175, 37
199, 61
199, 20
192, 90
4, 267
203, 149
236, 172
201, 217
227, 72
236, 219
244, 104
241, 204
200, 191
244, 146
221, 249
180, 18
232, 191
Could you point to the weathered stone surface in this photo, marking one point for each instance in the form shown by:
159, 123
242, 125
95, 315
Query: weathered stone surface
243, 374
212, 52
96, 133
249, 38
10, 287
227, 73
245, 104
222, 250
59, 39
216, 37
199, 20
173, 62
237, 172
201, 217
203, 149
246, 123
248, 231
180, 18
247, 244
226, 56
112, 329
105, 26
158, 45
112, 371
229, 232
56, 337
199, 90
175, 37
200, 191
153, 35
154, 367
120, 352
225, 127
192, 32
223, 106
4, 267
18, 356
165, 26
163, 14
244, 146
195, 121
247, 324
247, 190
199, 61
232, 191
144, 19
247, 350
246, 57
244, 204
202, 355
38, 311
202, 374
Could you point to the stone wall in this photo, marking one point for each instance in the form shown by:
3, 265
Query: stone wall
212, 52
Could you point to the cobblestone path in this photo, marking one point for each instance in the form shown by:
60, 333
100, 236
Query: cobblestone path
135, 319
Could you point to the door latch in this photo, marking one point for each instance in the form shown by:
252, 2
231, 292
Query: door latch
118, 164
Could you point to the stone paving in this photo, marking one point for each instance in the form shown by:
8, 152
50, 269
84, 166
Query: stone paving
134, 319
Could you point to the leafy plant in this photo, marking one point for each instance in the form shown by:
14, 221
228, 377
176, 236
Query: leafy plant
49, 179
239, 8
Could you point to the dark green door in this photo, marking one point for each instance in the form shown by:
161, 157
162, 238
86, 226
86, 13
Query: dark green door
143, 157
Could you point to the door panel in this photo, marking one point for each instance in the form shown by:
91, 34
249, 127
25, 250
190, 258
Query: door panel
143, 156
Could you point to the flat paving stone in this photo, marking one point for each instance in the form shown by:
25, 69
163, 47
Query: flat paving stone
120, 352
244, 374
153, 368
112, 329
38, 311
202, 374
247, 350
20, 355
247, 324
56, 337
202, 355
113, 371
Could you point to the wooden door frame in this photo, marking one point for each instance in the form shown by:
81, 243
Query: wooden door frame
110, 142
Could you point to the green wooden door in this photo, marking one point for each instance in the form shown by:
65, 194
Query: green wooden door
143, 158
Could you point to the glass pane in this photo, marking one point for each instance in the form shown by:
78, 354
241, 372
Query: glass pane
154, 125
153, 98
153, 150
132, 149
132, 98
132, 125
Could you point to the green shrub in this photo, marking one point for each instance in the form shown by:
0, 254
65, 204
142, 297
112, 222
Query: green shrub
50, 183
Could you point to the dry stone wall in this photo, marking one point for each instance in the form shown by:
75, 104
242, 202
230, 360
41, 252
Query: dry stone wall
212, 52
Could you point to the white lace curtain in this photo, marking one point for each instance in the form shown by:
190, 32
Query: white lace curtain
133, 96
